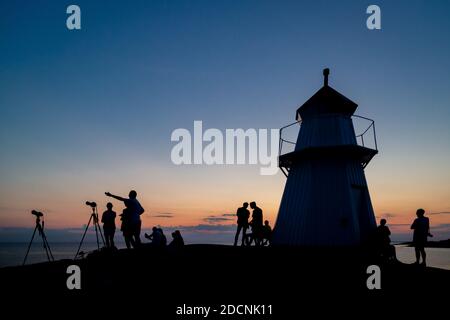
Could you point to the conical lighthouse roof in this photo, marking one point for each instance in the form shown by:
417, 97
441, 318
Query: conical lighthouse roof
326, 101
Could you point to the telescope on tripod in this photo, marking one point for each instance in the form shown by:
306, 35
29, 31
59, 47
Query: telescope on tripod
40, 228
94, 219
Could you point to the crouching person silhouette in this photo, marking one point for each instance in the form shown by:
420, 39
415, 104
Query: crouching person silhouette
177, 241
266, 234
157, 237
383, 242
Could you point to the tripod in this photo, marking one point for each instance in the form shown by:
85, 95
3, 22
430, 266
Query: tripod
40, 228
94, 219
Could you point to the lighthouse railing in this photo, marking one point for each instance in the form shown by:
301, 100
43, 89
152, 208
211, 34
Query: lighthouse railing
365, 134
288, 137
368, 137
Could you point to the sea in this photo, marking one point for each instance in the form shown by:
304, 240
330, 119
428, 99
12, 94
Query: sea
12, 254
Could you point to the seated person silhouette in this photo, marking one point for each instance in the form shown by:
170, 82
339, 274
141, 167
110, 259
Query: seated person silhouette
384, 247
421, 227
157, 237
266, 233
177, 241
163, 237
109, 225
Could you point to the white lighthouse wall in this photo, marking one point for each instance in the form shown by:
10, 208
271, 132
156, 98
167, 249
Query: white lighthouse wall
326, 201
315, 202
361, 200
326, 130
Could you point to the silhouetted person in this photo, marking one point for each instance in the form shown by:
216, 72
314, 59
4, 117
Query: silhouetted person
177, 241
421, 227
163, 237
266, 233
157, 237
383, 233
125, 228
109, 225
135, 211
384, 246
256, 224
243, 215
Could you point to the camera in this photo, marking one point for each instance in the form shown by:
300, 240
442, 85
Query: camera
91, 204
37, 213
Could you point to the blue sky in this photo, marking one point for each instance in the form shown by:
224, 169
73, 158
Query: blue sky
87, 111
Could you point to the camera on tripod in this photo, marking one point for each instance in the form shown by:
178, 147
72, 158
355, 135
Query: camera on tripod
37, 213
93, 218
40, 231
91, 204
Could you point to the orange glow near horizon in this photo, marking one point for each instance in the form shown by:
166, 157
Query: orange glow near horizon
189, 195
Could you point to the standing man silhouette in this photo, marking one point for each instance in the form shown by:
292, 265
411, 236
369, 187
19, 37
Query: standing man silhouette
135, 211
421, 227
109, 225
256, 223
242, 214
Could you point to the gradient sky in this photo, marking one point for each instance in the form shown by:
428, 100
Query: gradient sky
89, 111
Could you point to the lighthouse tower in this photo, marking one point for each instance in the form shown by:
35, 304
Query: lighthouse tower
326, 201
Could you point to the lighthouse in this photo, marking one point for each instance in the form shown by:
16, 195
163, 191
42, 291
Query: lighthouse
326, 200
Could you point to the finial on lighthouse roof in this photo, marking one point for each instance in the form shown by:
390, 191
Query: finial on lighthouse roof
326, 72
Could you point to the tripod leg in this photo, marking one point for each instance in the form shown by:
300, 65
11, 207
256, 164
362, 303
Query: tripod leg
96, 234
29, 246
101, 234
41, 233
49, 250
98, 225
46, 250
46, 246
82, 239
